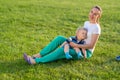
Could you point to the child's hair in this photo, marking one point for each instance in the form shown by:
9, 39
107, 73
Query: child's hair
81, 28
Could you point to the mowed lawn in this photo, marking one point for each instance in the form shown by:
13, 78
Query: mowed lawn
29, 25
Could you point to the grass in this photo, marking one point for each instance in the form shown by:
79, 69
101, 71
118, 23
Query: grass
29, 25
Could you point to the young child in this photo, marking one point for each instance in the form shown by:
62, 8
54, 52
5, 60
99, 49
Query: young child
81, 34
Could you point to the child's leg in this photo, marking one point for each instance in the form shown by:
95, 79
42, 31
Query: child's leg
84, 53
66, 50
79, 53
55, 43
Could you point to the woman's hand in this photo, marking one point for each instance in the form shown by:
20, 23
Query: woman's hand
73, 44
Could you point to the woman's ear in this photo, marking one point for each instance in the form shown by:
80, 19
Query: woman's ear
99, 16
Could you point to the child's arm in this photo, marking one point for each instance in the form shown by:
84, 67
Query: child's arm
63, 44
67, 41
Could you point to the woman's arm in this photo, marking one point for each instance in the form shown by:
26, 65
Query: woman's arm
87, 46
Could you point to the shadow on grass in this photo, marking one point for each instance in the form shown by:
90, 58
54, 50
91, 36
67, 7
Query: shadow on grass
110, 61
13, 66
20, 65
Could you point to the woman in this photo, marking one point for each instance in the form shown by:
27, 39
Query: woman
53, 52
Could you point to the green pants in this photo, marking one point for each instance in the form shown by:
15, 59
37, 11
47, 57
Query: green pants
53, 51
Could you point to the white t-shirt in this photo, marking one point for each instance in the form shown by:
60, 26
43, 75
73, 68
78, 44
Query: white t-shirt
92, 29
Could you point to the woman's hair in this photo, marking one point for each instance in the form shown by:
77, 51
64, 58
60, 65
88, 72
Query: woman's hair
100, 9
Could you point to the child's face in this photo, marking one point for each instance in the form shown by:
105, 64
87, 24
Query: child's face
81, 34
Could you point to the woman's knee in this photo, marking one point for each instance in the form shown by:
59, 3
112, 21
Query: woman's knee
60, 37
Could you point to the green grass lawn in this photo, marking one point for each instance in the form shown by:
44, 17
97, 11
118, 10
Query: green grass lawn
28, 25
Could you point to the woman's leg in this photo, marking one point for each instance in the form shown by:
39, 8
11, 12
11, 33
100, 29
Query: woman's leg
36, 55
55, 55
55, 43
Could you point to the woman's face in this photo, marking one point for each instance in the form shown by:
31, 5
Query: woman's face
94, 15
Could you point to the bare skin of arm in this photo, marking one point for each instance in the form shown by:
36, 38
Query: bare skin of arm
63, 44
87, 46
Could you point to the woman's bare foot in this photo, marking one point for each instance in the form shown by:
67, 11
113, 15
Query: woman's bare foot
37, 55
25, 56
31, 60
